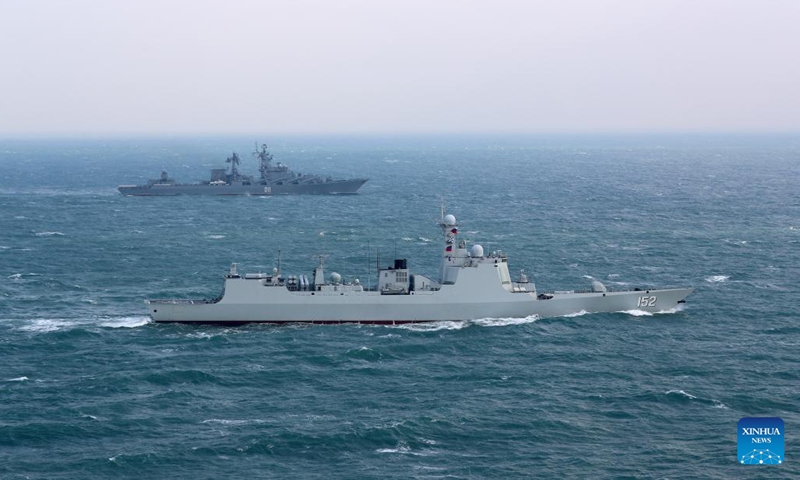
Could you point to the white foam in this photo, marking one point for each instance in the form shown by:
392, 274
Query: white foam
502, 322
44, 325
126, 322
459, 324
433, 326
215, 237
717, 278
18, 379
223, 421
49, 234
637, 313
401, 447
423, 239
576, 314
16, 275
681, 392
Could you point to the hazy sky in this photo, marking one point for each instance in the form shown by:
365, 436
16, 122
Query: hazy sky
349, 66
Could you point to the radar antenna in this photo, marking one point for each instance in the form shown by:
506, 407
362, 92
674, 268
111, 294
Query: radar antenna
234, 161
265, 158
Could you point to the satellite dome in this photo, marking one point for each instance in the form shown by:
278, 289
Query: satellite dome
449, 220
336, 278
476, 251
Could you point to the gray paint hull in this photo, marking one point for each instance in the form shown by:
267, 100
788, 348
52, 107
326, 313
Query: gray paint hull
341, 187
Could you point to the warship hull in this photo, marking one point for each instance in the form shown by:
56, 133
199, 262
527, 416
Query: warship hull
340, 187
374, 308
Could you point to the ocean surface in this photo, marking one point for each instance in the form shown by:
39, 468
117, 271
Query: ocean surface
91, 388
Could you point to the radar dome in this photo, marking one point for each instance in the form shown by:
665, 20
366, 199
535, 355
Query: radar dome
476, 251
336, 278
449, 220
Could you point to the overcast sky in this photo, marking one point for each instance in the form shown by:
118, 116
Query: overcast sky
382, 66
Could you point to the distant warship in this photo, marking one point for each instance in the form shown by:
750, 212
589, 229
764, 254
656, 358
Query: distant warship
275, 179
472, 285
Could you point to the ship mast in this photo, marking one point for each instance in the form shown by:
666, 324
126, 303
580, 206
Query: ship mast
234, 161
450, 230
264, 158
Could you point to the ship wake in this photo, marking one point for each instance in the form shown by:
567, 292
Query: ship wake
460, 324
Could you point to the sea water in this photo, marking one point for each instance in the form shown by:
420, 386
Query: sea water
90, 387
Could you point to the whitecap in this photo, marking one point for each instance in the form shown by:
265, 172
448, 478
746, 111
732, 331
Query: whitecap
18, 379
401, 447
44, 325
215, 237
49, 234
717, 278
423, 239
126, 322
223, 421
16, 275
407, 239
681, 392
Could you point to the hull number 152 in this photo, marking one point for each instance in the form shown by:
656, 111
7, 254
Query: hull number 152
647, 301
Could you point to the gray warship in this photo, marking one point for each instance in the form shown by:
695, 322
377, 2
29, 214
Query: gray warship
472, 285
275, 179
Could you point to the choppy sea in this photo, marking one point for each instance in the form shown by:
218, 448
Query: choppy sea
91, 388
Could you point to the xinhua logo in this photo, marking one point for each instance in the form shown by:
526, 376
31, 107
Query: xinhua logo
761, 441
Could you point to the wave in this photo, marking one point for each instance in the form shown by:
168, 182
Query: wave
20, 275
460, 324
46, 325
403, 449
127, 322
502, 322
717, 278
223, 421
215, 237
681, 392
49, 234
18, 379
433, 326
576, 314
683, 395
